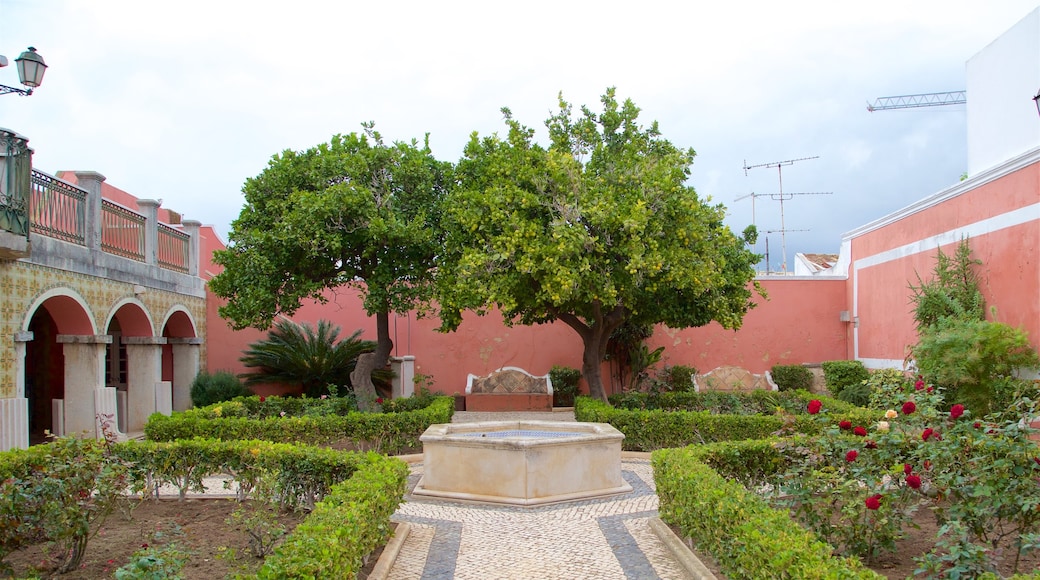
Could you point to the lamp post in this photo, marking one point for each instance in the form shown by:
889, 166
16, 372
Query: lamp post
30, 72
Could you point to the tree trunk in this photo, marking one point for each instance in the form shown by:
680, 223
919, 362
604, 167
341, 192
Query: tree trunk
361, 378
595, 339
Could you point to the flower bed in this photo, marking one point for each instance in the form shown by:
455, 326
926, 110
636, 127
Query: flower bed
62, 491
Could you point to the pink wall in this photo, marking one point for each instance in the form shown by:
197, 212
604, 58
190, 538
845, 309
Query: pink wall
996, 218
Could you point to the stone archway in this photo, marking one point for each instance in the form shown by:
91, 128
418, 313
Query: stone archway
133, 366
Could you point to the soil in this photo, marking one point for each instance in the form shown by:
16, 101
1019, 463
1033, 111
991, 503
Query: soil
899, 564
199, 526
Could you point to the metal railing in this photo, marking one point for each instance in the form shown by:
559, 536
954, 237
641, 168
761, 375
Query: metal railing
173, 249
122, 231
57, 209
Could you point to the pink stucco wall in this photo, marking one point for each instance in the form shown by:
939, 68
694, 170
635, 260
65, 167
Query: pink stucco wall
886, 260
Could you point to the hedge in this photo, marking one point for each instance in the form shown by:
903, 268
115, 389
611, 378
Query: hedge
792, 377
646, 430
746, 537
383, 432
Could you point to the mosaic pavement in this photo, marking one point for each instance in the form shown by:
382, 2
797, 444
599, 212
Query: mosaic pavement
588, 539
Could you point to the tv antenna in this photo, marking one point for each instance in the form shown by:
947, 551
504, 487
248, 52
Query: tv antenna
782, 231
782, 197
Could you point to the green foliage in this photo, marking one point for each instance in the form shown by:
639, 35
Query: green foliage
351, 212
953, 291
971, 357
565, 385
747, 538
641, 359
301, 354
677, 378
59, 493
220, 386
308, 421
597, 229
647, 425
161, 559
838, 374
791, 377
856, 394
889, 388
256, 518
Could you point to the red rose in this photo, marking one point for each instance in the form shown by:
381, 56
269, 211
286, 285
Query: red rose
870, 445
909, 407
919, 384
873, 502
861, 431
956, 411
914, 481
845, 425
851, 456
927, 433
978, 425
262, 398
1037, 460
927, 465
907, 468
379, 401
930, 389
814, 406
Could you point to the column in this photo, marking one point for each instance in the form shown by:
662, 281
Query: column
87, 399
185, 369
14, 412
91, 182
149, 208
191, 227
144, 370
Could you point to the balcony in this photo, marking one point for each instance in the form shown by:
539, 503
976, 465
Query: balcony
71, 227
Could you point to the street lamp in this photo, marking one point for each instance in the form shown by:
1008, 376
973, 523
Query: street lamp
30, 72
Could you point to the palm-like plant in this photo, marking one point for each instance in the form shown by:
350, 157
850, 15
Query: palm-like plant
301, 354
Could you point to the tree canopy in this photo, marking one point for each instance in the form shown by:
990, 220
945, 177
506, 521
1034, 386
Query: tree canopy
352, 212
594, 230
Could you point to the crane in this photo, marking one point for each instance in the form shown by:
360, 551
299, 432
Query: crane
921, 100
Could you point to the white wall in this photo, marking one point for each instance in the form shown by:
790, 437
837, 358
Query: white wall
1001, 82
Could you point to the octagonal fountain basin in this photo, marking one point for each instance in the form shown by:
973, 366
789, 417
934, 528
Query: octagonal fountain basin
522, 463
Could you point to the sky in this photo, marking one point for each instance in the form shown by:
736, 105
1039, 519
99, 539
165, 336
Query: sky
183, 101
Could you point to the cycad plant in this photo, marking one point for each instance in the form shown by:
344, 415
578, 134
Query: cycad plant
313, 357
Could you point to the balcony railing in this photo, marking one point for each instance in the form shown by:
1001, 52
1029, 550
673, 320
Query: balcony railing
173, 248
57, 209
61, 210
122, 231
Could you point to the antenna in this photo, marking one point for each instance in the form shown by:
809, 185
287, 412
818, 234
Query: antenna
782, 232
782, 197
752, 195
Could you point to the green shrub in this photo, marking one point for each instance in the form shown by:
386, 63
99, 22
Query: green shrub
839, 374
565, 385
791, 377
218, 387
856, 394
677, 378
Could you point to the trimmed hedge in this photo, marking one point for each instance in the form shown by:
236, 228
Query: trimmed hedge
747, 538
237, 419
838, 374
658, 428
791, 377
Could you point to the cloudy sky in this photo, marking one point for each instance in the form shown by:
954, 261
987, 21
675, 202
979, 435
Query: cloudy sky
185, 100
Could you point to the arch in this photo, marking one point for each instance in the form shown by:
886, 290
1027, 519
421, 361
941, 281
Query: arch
179, 323
133, 317
68, 309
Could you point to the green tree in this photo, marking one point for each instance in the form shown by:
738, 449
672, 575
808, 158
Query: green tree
305, 355
597, 229
353, 212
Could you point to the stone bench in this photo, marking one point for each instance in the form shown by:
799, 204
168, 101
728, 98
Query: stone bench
509, 389
733, 379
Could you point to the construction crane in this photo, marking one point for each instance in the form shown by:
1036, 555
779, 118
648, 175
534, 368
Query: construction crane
916, 101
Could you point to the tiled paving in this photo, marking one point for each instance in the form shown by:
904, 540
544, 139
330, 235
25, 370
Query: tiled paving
588, 539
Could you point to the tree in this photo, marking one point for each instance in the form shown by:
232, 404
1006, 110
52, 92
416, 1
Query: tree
310, 356
597, 229
353, 212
